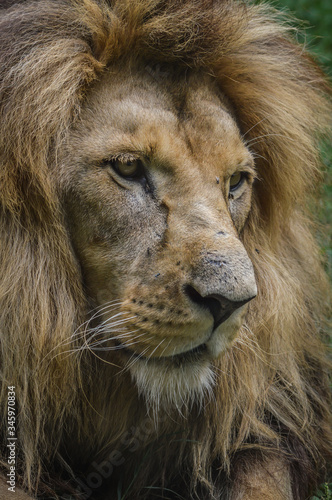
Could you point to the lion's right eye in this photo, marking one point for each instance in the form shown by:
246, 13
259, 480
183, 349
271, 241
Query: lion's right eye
129, 169
126, 166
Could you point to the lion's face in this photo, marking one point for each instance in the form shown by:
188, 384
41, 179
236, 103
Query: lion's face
156, 184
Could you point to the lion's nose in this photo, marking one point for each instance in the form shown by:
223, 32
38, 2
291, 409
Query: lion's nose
220, 307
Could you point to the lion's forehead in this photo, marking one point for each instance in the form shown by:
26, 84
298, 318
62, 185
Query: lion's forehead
160, 118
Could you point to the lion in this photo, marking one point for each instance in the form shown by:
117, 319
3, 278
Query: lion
162, 297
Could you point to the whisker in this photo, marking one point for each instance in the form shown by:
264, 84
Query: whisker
255, 139
110, 303
99, 312
166, 347
107, 326
118, 337
256, 124
83, 331
82, 328
134, 359
154, 350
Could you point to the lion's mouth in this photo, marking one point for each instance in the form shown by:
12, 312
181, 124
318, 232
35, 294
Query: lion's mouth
178, 359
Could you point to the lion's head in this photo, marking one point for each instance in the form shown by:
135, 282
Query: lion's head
156, 256
157, 185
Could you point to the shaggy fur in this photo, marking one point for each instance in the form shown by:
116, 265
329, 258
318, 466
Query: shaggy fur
271, 402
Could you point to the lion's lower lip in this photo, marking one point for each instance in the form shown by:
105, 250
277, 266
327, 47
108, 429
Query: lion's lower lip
183, 357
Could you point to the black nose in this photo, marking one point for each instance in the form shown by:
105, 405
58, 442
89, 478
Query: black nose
220, 307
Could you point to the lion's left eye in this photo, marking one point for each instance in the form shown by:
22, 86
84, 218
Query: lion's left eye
236, 181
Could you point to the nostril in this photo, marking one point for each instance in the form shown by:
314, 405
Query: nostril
209, 302
220, 307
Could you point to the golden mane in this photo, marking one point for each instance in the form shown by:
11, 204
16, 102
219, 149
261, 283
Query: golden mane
272, 388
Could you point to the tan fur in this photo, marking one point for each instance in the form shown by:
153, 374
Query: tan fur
91, 262
18, 495
269, 480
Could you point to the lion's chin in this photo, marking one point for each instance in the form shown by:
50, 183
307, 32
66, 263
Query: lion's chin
167, 384
185, 379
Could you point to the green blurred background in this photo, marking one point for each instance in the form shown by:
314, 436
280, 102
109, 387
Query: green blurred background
315, 19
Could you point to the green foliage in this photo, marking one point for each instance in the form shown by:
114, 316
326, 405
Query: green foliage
317, 21
324, 493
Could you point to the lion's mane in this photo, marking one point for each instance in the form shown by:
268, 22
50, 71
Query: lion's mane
272, 389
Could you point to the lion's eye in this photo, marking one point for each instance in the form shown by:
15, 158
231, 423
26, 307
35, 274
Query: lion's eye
236, 180
129, 169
